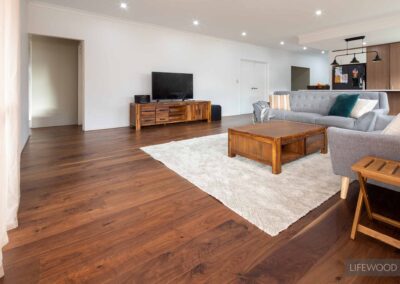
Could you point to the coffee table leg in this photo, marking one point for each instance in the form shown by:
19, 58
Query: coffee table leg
276, 156
230, 150
324, 149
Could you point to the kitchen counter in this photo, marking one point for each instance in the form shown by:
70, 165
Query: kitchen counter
372, 90
352, 90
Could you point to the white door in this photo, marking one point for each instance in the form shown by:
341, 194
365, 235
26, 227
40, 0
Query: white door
253, 84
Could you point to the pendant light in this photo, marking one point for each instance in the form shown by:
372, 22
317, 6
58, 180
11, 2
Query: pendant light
362, 48
354, 60
377, 58
335, 63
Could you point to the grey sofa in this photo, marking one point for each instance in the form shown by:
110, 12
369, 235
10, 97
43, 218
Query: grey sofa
313, 107
348, 146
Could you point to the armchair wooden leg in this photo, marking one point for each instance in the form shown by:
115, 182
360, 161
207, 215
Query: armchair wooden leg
344, 188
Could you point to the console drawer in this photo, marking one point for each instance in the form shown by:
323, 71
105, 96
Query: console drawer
162, 119
177, 110
162, 114
148, 114
149, 107
162, 109
177, 117
148, 121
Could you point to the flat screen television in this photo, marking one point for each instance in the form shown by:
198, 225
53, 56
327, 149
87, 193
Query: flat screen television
172, 86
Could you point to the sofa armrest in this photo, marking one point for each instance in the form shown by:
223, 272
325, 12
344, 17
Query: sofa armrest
366, 122
382, 121
381, 111
260, 110
349, 146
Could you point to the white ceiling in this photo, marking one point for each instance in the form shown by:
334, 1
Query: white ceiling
267, 22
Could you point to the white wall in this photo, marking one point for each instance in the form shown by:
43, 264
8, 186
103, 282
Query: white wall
54, 81
120, 56
24, 91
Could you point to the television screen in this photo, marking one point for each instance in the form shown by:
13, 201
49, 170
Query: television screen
172, 86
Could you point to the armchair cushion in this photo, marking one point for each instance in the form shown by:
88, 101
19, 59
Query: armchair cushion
393, 128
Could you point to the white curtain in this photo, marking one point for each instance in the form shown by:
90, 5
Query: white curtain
9, 118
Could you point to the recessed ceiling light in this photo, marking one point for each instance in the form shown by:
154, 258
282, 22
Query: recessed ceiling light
124, 5
244, 34
318, 12
323, 52
364, 43
196, 22
304, 47
282, 43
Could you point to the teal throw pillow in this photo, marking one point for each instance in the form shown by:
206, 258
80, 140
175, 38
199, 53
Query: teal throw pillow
343, 105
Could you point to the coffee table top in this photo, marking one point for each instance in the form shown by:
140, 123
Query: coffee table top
279, 129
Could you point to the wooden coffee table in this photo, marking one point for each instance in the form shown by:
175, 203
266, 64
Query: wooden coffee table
276, 142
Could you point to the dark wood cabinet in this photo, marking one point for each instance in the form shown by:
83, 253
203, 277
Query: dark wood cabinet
378, 73
385, 75
395, 66
168, 112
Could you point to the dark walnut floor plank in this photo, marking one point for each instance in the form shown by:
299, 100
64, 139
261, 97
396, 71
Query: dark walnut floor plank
96, 209
143, 217
103, 258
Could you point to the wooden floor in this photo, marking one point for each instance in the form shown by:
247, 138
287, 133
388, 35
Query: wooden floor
96, 209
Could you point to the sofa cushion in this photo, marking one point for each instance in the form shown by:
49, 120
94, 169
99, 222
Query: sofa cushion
337, 121
321, 101
305, 117
280, 102
311, 102
362, 107
343, 105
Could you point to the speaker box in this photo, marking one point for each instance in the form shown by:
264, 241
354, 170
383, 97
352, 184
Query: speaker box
216, 112
142, 99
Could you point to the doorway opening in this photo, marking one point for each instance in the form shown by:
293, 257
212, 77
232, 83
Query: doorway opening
56, 82
253, 84
300, 78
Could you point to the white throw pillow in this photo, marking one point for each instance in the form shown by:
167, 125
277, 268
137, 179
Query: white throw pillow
362, 107
279, 102
393, 127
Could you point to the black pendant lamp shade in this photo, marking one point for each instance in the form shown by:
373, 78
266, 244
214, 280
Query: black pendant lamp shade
377, 58
335, 63
354, 60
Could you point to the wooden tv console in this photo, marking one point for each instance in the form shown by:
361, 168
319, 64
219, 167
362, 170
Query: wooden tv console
156, 113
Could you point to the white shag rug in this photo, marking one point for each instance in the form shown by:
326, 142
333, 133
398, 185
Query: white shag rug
271, 202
